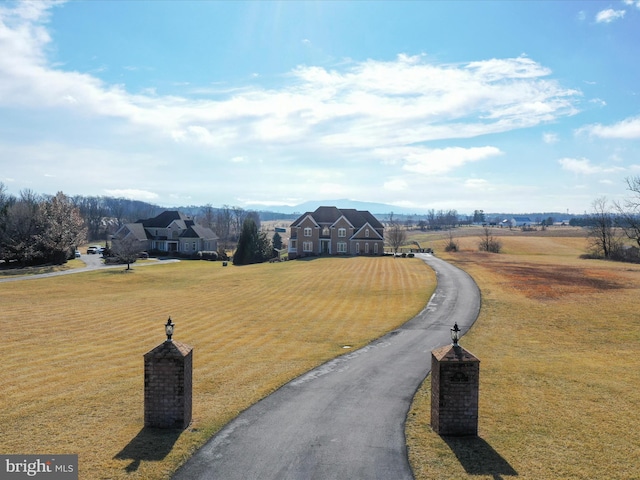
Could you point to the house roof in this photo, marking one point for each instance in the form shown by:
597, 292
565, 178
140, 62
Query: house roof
141, 229
166, 218
137, 230
198, 231
329, 215
359, 234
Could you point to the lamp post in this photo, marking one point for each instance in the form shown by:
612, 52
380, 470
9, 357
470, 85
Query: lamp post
168, 383
455, 334
168, 328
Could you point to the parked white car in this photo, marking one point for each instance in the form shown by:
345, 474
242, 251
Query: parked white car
94, 249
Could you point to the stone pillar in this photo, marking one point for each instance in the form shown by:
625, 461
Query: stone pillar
167, 385
455, 375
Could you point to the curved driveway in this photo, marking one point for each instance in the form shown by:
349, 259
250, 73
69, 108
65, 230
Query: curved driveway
344, 419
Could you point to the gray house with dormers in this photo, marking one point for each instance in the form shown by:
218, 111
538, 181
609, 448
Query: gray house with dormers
335, 231
170, 232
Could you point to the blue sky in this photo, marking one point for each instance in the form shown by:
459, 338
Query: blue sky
503, 106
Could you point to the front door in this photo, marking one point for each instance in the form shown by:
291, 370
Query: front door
325, 247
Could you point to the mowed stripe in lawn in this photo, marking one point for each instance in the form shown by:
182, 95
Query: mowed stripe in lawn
73, 376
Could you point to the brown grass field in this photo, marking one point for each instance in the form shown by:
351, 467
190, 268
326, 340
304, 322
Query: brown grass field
72, 380
558, 338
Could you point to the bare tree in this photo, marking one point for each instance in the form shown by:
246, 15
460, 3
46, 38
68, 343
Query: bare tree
239, 216
629, 212
452, 244
602, 237
223, 225
207, 216
489, 243
93, 211
396, 236
21, 224
126, 250
63, 229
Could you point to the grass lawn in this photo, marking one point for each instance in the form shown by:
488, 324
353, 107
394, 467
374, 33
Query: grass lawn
72, 380
13, 271
558, 339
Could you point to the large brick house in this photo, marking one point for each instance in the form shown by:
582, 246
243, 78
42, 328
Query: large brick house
171, 232
335, 231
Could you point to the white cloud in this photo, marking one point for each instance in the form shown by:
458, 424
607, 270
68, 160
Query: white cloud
395, 185
367, 104
628, 128
584, 166
550, 138
609, 15
478, 185
133, 194
438, 161
365, 120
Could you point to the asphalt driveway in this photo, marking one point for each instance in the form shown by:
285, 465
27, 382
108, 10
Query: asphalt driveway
344, 419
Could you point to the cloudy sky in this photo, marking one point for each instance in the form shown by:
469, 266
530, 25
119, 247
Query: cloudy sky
503, 106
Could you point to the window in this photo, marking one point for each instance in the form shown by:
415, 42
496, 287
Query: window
342, 232
293, 244
342, 247
366, 233
366, 247
357, 248
307, 246
375, 248
307, 232
194, 246
325, 231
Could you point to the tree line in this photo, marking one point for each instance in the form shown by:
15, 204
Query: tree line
41, 229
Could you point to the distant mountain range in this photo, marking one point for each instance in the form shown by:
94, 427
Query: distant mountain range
374, 208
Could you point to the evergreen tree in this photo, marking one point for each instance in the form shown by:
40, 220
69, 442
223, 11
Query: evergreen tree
277, 241
253, 246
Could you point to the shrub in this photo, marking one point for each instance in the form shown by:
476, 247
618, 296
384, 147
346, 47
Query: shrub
488, 243
208, 255
222, 254
451, 246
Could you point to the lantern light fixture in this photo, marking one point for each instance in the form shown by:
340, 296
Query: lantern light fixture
455, 334
168, 328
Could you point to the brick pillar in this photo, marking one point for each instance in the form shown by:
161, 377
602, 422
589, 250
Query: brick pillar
455, 381
167, 385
